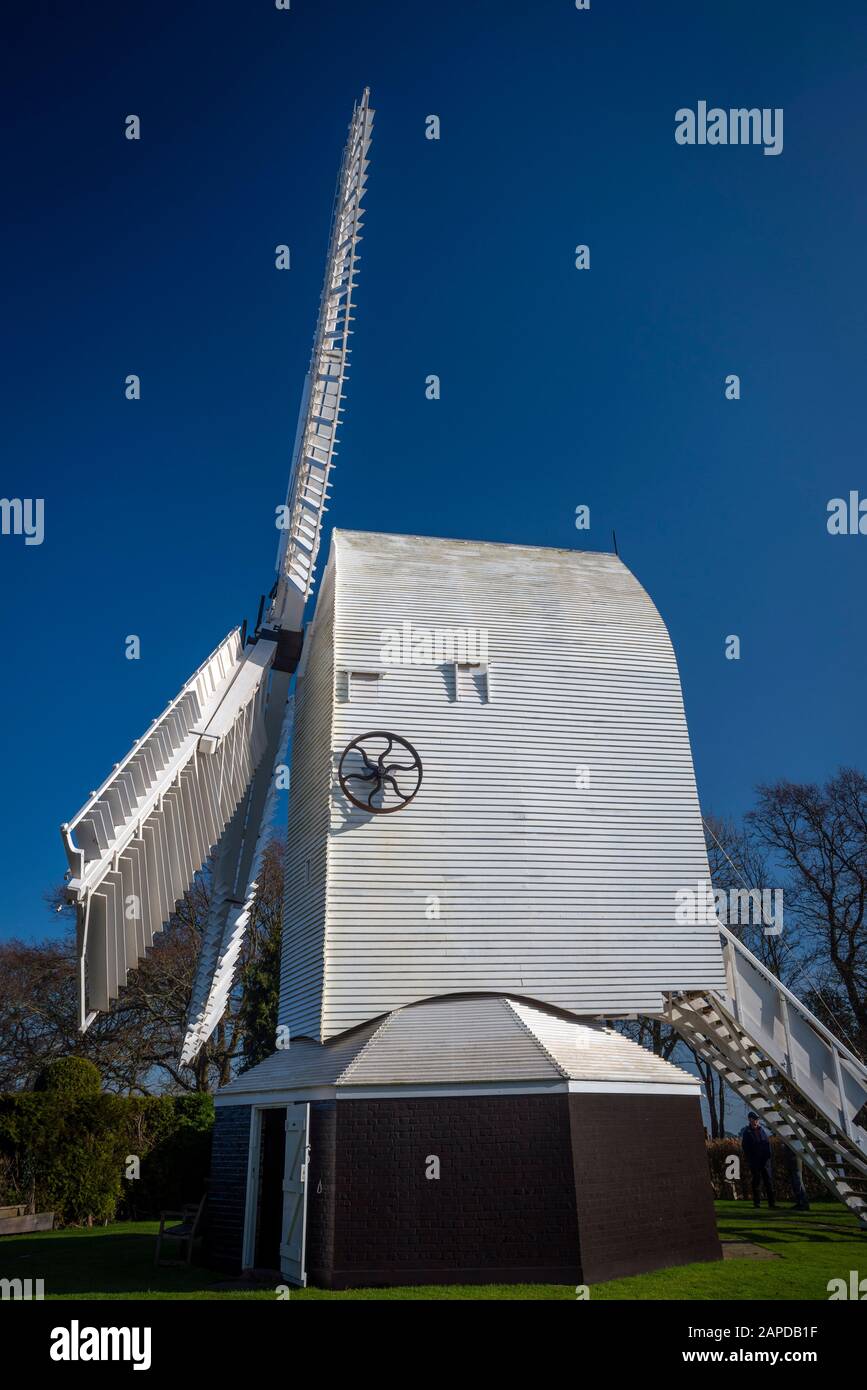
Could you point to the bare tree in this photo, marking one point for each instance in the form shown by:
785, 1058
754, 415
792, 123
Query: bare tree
260, 973
739, 862
715, 1094
137, 1044
653, 1033
820, 836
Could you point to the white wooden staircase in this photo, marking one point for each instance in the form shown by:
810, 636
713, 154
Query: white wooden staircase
806, 1086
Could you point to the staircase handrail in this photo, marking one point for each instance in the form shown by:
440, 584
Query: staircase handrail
846, 1053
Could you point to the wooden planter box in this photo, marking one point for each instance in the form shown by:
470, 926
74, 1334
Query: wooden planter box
17, 1221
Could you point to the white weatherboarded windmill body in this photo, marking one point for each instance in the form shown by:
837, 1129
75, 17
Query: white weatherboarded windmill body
493, 813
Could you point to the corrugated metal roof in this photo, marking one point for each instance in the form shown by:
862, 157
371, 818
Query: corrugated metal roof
480, 1038
591, 1052
303, 1064
451, 1040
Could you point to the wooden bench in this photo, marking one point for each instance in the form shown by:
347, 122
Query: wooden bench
190, 1218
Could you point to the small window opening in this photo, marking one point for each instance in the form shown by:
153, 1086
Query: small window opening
357, 686
471, 682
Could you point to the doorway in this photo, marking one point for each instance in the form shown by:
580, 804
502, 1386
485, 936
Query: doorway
293, 1249
269, 1206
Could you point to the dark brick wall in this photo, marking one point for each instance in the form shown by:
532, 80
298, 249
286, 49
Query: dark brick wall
321, 1181
533, 1188
228, 1186
642, 1184
503, 1207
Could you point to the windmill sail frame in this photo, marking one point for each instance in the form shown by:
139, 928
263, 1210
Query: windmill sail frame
324, 386
136, 844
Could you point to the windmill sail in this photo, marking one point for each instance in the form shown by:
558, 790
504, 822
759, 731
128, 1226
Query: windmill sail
135, 846
235, 877
201, 780
236, 868
322, 399
232, 902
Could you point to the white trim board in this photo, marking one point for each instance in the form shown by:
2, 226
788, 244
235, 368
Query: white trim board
265, 1099
270, 1100
637, 1088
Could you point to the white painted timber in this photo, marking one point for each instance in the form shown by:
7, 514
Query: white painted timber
505, 874
245, 687
824, 1070
137, 843
293, 1243
308, 828
322, 399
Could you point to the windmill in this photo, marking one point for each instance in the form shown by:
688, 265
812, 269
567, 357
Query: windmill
492, 812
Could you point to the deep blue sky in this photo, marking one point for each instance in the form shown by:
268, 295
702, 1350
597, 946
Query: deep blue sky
559, 387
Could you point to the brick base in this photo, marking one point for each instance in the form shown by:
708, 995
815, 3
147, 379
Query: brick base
642, 1184
227, 1188
559, 1189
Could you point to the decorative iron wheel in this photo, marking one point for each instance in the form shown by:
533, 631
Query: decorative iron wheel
380, 779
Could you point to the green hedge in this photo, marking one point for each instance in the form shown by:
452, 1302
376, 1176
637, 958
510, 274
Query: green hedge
70, 1078
70, 1152
172, 1136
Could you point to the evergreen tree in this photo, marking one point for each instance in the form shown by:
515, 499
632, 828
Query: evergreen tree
260, 975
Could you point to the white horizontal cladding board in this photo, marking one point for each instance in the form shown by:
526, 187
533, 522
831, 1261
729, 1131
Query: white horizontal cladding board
303, 942
555, 823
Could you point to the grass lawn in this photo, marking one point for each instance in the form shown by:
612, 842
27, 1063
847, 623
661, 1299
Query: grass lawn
116, 1262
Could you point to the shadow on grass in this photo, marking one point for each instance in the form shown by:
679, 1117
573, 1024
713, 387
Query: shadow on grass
100, 1262
826, 1223
117, 1262
760, 1235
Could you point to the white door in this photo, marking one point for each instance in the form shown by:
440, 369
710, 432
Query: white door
292, 1244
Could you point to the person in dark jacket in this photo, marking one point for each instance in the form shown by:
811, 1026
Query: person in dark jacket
795, 1173
756, 1145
